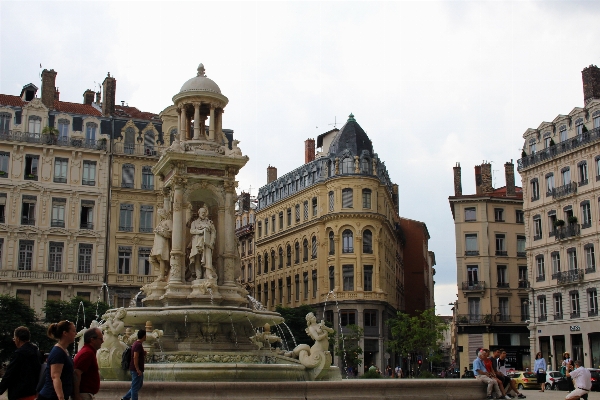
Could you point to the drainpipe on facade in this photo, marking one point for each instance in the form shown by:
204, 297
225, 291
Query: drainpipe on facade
108, 211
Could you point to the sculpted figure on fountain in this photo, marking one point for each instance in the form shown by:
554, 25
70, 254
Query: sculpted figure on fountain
203, 240
160, 254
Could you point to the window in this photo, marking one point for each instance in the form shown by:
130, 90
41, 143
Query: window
31, 167
368, 278
503, 309
273, 224
520, 217
502, 276
596, 117
147, 178
348, 165
243, 274
24, 295
296, 253
129, 141
280, 264
579, 126
542, 308
590, 259
523, 279
288, 260
558, 308
347, 317
86, 220
566, 176
521, 240
501, 245
124, 267
4, 161
541, 272
28, 210
366, 198
5, 122
331, 201
126, 218
314, 284
331, 244
127, 176
535, 189
89, 173
259, 229
574, 295
90, 132
346, 198
532, 146
53, 295
258, 293
524, 309
297, 212
331, 278
367, 242
297, 281
470, 214
563, 133
583, 173
149, 143
58, 212
63, 130
586, 213
472, 275
305, 210
314, 206
35, 124
471, 245
474, 309
572, 258
592, 302
313, 247
555, 258
25, 255
259, 266
85, 258
280, 285
281, 221
370, 318
250, 272
305, 280
549, 184
499, 214
55, 256
305, 250
348, 277
347, 242
146, 218
144, 267
266, 269
289, 216
537, 228
60, 170
288, 285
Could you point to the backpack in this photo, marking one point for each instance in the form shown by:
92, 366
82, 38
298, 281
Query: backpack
126, 359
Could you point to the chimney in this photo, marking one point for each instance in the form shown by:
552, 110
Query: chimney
88, 97
109, 89
478, 180
309, 150
57, 95
457, 180
48, 87
245, 201
509, 173
271, 174
591, 83
486, 178
98, 97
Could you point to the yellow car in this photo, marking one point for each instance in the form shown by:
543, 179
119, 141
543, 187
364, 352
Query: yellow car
525, 380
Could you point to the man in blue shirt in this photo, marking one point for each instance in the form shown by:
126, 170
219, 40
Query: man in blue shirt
483, 375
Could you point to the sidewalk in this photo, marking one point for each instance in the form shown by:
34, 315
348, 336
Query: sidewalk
553, 395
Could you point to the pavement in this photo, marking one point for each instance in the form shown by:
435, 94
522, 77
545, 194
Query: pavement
553, 395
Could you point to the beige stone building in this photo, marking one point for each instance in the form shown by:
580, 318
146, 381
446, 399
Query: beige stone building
244, 230
326, 236
491, 265
560, 171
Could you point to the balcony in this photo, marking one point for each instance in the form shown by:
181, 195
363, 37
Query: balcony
128, 185
591, 136
58, 179
502, 285
575, 315
471, 253
44, 276
147, 230
568, 277
27, 221
87, 182
246, 229
488, 319
521, 254
566, 232
147, 187
583, 182
543, 318
593, 313
558, 316
473, 285
86, 225
140, 149
503, 318
46, 139
57, 223
30, 177
130, 279
540, 278
125, 228
564, 190
502, 253
589, 270
523, 284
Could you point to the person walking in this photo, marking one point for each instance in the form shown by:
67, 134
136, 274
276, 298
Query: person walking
583, 381
483, 375
58, 384
539, 367
22, 373
136, 366
87, 375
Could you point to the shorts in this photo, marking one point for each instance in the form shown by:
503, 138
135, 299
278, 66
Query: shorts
505, 381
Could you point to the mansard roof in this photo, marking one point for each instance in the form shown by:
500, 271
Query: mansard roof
352, 138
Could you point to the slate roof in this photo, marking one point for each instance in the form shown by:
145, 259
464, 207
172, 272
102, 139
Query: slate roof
351, 137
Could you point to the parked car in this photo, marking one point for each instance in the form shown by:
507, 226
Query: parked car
525, 380
554, 380
595, 372
468, 374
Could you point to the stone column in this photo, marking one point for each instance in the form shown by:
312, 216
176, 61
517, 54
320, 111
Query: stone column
211, 128
230, 238
336, 265
184, 123
179, 125
376, 266
196, 121
359, 266
219, 122
177, 249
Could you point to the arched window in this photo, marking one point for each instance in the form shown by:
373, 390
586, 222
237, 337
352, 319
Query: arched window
367, 242
63, 129
149, 143
331, 244
129, 141
314, 247
289, 256
172, 134
348, 165
280, 265
266, 269
347, 242
127, 175
272, 260
305, 250
297, 253
364, 166
331, 201
259, 265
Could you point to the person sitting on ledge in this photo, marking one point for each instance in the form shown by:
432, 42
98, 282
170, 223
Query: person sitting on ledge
485, 376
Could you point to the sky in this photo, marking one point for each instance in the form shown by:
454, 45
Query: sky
432, 83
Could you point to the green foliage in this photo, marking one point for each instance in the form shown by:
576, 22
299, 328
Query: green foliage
295, 319
70, 310
15, 313
50, 130
348, 346
371, 375
426, 375
418, 335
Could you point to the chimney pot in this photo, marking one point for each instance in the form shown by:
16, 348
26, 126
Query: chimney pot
309, 150
271, 174
88, 97
48, 88
457, 180
109, 90
509, 174
591, 83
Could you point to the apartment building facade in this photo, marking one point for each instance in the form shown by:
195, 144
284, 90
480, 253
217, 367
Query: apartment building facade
244, 230
491, 310
560, 170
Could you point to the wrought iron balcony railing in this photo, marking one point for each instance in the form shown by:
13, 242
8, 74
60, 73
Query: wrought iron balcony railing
27, 221
564, 190
47, 139
558, 316
503, 285
471, 253
473, 285
571, 276
575, 315
568, 231
140, 149
57, 223
86, 225
543, 318
502, 253
523, 284
521, 254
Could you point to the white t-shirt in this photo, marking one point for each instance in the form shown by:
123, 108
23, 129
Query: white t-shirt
502, 366
582, 377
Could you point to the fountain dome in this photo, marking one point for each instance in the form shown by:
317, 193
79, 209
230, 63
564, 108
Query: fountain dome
200, 83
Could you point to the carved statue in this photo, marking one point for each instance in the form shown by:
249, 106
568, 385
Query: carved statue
160, 254
203, 240
317, 359
264, 338
93, 324
109, 355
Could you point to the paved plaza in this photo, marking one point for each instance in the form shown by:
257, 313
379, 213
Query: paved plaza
553, 395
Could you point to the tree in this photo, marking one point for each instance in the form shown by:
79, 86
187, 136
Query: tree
57, 310
348, 347
15, 313
295, 319
418, 335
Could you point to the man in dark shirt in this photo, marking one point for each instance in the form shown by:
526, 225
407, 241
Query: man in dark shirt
498, 361
136, 367
87, 377
22, 374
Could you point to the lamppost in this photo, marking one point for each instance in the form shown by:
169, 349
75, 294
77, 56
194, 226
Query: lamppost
409, 365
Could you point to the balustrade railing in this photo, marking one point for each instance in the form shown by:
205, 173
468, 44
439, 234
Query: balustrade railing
570, 276
568, 231
564, 190
138, 149
49, 275
473, 285
47, 139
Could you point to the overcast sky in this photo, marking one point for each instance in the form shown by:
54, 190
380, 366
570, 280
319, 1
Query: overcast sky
432, 83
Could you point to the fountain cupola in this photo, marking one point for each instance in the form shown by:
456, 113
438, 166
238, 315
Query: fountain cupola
200, 99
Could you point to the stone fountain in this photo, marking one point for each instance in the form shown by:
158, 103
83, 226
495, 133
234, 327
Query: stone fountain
199, 323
